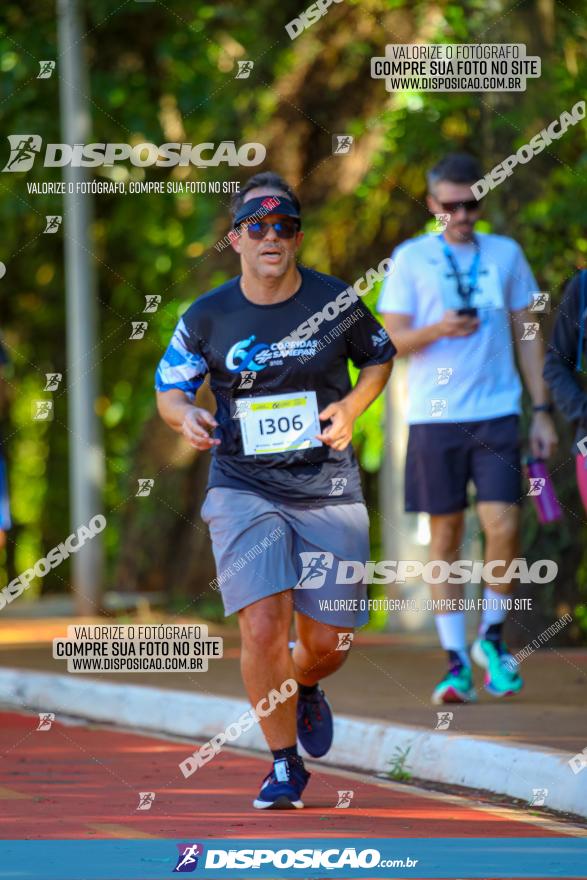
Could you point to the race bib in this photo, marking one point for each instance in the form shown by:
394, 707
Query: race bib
488, 292
278, 422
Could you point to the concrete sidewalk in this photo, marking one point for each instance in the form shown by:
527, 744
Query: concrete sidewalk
387, 677
381, 699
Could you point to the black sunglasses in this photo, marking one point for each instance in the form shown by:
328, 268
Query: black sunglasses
283, 229
453, 207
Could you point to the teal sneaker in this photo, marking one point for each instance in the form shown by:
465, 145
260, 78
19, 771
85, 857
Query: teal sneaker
501, 670
455, 687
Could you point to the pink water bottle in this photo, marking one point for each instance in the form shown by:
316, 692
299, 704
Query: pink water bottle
542, 491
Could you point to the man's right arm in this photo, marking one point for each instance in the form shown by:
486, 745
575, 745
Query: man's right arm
181, 415
180, 373
398, 303
408, 340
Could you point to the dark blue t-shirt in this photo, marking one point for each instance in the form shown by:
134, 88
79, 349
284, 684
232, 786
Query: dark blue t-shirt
236, 342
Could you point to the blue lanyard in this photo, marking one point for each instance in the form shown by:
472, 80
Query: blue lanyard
473, 274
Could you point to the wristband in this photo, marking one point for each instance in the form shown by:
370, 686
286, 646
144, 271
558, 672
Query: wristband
543, 407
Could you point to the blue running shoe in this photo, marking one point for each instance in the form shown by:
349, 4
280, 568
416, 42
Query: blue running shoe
315, 724
282, 788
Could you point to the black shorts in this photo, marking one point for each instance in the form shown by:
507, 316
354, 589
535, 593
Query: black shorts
442, 457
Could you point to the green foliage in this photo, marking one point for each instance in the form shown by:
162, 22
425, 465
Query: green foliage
397, 769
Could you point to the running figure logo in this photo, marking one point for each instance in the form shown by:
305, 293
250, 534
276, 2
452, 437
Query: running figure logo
530, 332
536, 485
314, 571
539, 795
152, 303
342, 143
443, 375
46, 69
241, 409
146, 799
438, 407
540, 302
345, 641
52, 381
442, 221
42, 410
444, 719
187, 861
46, 719
344, 800
244, 69
138, 329
23, 150
144, 489
53, 223
247, 379
338, 485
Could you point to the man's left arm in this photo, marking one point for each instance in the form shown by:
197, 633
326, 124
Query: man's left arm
543, 437
371, 351
344, 413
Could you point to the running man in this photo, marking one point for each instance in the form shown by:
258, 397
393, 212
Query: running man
25, 150
451, 305
565, 363
5, 520
274, 465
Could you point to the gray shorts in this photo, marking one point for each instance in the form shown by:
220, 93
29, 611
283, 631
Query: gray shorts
264, 547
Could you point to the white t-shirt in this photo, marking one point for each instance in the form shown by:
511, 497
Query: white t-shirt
469, 378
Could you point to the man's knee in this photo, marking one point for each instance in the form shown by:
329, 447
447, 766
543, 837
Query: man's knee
322, 641
502, 528
264, 629
447, 532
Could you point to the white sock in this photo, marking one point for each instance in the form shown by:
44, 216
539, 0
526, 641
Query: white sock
496, 612
452, 632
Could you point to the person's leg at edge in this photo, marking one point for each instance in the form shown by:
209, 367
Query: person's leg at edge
446, 537
500, 522
316, 654
266, 663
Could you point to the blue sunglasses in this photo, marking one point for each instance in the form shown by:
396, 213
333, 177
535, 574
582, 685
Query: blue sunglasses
283, 229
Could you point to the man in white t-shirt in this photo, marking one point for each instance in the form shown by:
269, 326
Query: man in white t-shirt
452, 304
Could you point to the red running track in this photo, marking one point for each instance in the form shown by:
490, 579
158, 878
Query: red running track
76, 782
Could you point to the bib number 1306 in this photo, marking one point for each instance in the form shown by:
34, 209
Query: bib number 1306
279, 422
283, 425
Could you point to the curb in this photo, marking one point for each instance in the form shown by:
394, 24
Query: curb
371, 746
